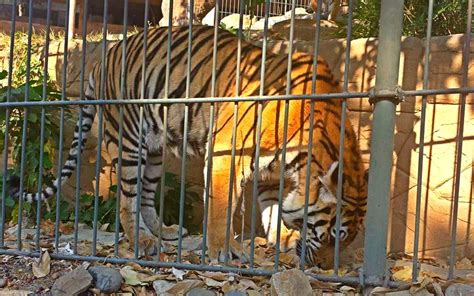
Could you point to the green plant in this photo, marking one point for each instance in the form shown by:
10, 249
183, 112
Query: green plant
449, 17
105, 211
192, 202
36, 88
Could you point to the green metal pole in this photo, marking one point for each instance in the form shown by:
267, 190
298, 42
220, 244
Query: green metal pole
385, 98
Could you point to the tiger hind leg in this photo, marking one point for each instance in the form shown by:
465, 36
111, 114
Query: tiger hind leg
151, 178
147, 241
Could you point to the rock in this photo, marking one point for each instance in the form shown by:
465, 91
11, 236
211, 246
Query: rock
3, 282
236, 293
200, 292
107, 280
167, 288
290, 282
72, 283
459, 290
232, 21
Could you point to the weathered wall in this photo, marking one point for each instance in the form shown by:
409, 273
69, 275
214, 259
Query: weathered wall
440, 137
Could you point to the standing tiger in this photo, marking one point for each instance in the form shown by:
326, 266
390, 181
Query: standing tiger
324, 154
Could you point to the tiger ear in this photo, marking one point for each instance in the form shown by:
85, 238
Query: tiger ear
329, 180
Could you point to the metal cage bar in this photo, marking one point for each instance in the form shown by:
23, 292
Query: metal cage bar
80, 135
340, 172
459, 140
258, 132
376, 223
7, 122
422, 141
42, 119
100, 125
25, 125
123, 81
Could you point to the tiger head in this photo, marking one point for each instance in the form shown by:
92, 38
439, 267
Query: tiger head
321, 214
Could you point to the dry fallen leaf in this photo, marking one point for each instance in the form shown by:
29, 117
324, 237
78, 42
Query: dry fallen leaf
167, 288
403, 274
212, 283
42, 267
248, 284
179, 274
437, 289
464, 263
135, 278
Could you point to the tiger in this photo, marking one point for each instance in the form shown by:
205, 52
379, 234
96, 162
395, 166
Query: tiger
324, 154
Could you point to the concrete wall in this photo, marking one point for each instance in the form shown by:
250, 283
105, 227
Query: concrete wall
440, 138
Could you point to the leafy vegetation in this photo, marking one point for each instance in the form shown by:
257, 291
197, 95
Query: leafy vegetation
449, 17
193, 202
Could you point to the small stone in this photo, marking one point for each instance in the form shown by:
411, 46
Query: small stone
72, 283
236, 293
200, 292
107, 280
291, 282
459, 290
3, 282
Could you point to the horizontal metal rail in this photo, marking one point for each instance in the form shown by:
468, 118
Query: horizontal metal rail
203, 267
348, 95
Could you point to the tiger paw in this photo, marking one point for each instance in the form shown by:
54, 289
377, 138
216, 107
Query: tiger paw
171, 233
147, 245
217, 251
288, 239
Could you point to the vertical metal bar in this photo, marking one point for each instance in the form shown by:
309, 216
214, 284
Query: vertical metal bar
257, 135
234, 131
281, 186
42, 120
61, 134
382, 139
310, 136
459, 141
123, 81
98, 163
209, 140
182, 191
25, 125
7, 123
341, 139
71, 19
140, 133
165, 121
79, 137
419, 181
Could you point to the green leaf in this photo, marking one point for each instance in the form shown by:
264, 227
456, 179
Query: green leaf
3, 74
32, 117
9, 202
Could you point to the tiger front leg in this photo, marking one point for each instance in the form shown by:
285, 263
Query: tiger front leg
218, 208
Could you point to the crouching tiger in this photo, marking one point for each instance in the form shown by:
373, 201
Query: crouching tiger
324, 154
